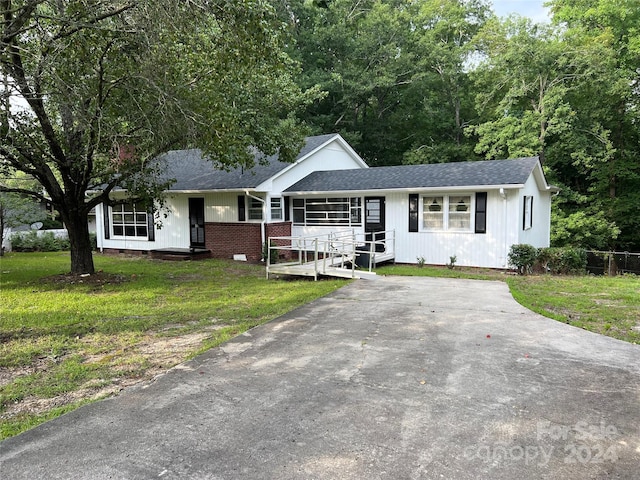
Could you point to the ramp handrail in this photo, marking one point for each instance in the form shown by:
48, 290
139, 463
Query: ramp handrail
336, 249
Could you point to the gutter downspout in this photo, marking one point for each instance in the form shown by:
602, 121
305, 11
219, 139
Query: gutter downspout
264, 214
503, 194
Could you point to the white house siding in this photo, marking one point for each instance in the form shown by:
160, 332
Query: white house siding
471, 249
538, 235
331, 157
488, 250
175, 231
219, 207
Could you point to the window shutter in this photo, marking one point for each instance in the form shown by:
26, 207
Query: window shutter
151, 227
413, 212
287, 207
242, 213
105, 216
481, 212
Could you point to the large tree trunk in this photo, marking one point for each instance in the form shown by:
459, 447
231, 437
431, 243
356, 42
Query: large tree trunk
80, 240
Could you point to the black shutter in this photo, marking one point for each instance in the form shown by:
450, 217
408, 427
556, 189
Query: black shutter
413, 212
105, 216
151, 226
481, 212
242, 212
287, 207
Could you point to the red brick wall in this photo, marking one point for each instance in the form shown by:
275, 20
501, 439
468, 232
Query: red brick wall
226, 239
280, 229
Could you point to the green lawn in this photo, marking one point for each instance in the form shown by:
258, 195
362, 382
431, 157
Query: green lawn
606, 305
63, 343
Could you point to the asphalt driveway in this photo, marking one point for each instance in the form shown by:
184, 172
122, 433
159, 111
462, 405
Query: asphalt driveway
398, 378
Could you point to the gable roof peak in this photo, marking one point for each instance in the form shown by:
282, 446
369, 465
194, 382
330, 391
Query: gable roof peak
193, 171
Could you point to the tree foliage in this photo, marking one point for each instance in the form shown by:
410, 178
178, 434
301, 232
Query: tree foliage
393, 72
95, 89
105, 86
606, 160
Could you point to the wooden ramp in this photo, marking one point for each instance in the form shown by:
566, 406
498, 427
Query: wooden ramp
339, 254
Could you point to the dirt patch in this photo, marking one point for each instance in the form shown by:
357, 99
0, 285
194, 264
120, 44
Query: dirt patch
158, 354
95, 279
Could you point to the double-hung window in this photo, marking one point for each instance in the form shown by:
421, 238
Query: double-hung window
276, 208
255, 209
446, 212
129, 220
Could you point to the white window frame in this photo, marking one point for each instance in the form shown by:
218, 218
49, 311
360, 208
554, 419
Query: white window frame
448, 204
255, 209
276, 208
527, 213
139, 220
340, 211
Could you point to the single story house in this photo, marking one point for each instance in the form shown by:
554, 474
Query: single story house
474, 211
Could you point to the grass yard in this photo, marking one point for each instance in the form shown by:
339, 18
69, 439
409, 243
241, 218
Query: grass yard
605, 305
66, 340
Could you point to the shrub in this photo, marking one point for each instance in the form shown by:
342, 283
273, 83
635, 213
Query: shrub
563, 260
269, 252
452, 262
32, 242
522, 256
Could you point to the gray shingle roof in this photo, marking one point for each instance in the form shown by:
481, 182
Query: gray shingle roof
192, 171
460, 174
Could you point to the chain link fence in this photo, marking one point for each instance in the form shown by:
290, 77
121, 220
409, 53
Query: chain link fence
613, 263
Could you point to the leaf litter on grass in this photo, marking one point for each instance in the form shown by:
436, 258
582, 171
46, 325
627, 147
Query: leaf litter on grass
151, 356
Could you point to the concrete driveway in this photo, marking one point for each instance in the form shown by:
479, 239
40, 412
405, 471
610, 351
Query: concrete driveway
398, 378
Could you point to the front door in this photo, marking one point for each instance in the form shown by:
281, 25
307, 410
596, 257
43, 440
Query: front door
196, 221
374, 220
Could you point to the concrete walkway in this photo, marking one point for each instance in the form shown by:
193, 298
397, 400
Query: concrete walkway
398, 378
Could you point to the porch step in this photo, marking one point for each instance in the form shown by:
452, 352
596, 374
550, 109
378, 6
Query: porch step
180, 254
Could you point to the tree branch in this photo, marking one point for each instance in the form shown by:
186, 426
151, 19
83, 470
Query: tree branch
89, 23
24, 191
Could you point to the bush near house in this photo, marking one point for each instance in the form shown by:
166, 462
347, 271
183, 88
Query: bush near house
523, 256
565, 260
32, 241
560, 261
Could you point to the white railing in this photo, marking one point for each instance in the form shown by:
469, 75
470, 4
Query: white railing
321, 253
